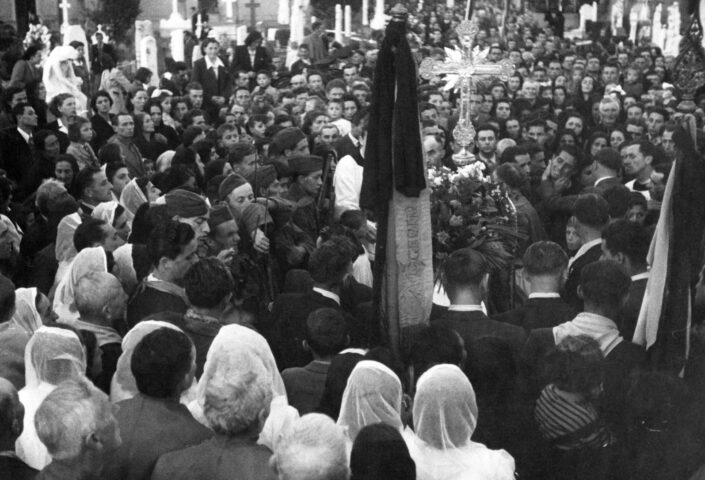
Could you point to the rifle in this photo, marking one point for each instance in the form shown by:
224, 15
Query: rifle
326, 188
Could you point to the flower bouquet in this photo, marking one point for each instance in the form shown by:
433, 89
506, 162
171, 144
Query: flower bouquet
468, 210
40, 35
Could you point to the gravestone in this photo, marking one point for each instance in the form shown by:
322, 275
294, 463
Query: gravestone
143, 28
673, 25
658, 34
587, 12
76, 33
148, 58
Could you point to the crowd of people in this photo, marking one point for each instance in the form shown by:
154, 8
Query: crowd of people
186, 288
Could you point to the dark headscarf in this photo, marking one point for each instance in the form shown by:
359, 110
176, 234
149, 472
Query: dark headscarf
379, 452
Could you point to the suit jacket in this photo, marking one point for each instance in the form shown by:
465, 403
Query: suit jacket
305, 385
570, 290
218, 458
299, 66
212, 86
288, 329
538, 313
97, 66
629, 314
15, 154
241, 60
16, 469
64, 141
148, 301
151, 427
475, 325
604, 185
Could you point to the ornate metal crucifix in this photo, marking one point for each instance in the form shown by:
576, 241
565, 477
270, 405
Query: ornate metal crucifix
466, 67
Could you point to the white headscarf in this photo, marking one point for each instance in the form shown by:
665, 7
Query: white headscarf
88, 260
123, 385
372, 395
52, 356
445, 417
236, 342
26, 315
55, 81
132, 196
105, 211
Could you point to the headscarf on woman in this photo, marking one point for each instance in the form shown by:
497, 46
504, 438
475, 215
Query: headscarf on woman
106, 211
53, 355
445, 417
15, 334
373, 394
123, 385
132, 196
88, 260
56, 82
379, 452
236, 341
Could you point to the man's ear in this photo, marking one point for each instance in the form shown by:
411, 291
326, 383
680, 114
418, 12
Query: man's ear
648, 159
93, 442
306, 346
580, 292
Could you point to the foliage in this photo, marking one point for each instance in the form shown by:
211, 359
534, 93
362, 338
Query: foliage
117, 17
468, 210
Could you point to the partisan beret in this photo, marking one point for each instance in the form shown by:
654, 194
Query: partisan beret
286, 139
305, 164
261, 177
185, 204
230, 183
219, 214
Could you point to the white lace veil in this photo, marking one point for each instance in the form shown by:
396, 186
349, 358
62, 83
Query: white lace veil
88, 260
445, 409
55, 81
372, 395
132, 196
52, 356
445, 417
239, 346
26, 315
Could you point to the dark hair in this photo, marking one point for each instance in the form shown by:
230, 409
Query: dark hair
326, 331
57, 102
110, 153
379, 452
10, 92
31, 51
207, 42
168, 239
575, 365
510, 174
18, 109
329, 263
160, 361
592, 210
464, 267
434, 345
628, 238
617, 197
604, 283
7, 299
111, 168
544, 258
207, 283
146, 218
143, 74
98, 94
75, 129
89, 233
252, 37
84, 179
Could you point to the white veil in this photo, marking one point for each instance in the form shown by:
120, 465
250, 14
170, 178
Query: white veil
88, 260
55, 81
445, 417
372, 395
235, 342
52, 356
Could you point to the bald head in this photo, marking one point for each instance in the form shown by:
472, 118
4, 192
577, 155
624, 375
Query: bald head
11, 414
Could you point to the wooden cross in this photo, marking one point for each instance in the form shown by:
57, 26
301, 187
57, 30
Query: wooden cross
229, 9
466, 67
253, 9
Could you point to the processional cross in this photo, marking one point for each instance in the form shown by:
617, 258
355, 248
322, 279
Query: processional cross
466, 67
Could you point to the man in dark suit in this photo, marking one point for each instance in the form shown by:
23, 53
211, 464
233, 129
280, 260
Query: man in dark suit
628, 244
329, 265
97, 50
604, 171
592, 214
302, 65
251, 57
17, 144
154, 422
211, 74
545, 265
467, 274
604, 286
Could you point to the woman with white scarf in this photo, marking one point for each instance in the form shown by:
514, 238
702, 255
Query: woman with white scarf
231, 343
445, 417
53, 355
59, 77
373, 394
88, 260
